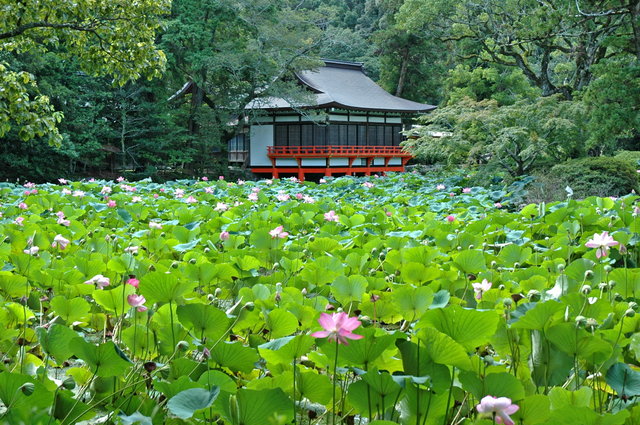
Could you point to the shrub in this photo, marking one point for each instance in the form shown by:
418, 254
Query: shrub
599, 176
632, 157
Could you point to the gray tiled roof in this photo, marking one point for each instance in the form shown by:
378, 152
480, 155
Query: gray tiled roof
344, 85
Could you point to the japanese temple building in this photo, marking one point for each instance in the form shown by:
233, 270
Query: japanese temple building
354, 127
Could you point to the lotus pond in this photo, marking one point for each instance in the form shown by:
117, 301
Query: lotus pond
397, 300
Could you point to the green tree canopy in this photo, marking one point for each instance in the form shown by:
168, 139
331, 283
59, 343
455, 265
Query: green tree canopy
109, 37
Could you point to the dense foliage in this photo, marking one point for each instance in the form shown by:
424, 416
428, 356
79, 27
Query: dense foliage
195, 301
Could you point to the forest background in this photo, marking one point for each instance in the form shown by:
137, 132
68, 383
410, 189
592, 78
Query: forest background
549, 88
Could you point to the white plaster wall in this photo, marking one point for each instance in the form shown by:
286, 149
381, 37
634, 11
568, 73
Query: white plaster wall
339, 162
286, 162
314, 162
261, 136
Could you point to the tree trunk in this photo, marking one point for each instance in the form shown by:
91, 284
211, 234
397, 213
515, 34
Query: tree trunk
123, 132
403, 72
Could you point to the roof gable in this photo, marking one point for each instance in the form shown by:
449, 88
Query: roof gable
344, 85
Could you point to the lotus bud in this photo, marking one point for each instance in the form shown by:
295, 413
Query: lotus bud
516, 265
588, 274
633, 305
58, 257
304, 292
508, 302
612, 284
192, 261
382, 256
249, 306
560, 268
277, 297
617, 297
459, 248
501, 287
581, 320
162, 235
329, 307
218, 292
603, 286
374, 298
630, 313
175, 265
533, 295
374, 250
484, 245
471, 247
69, 383
586, 289
312, 238
27, 388
608, 268
279, 287
210, 297
591, 323
494, 264
275, 265
182, 346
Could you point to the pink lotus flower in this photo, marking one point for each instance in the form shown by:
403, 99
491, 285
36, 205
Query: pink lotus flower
332, 216
61, 219
120, 179
132, 249
308, 199
205, 179
106, 190
440, 187
191, 200
179, 193
137, 301
481, 288
501, 407
156, 196
29, 185
322, 181
60, 242
136, 199
268, 181
220, 177
602, 242
66, 191
208, 189
451, 218
282, 197
98, 280
299, 196
63, 181
221, 206
337, 327
155, 225
224, 236
133, 282
32, 251
466, 190
368, 184
78, 194
278, 233
240, 182
497, 205
19, 221
111, 203
253, 197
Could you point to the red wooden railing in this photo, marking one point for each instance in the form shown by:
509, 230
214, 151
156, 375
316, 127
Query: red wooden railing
335, 151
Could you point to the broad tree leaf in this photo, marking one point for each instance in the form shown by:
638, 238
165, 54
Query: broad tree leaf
470, 328
624, 380
185, 404
104, 360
